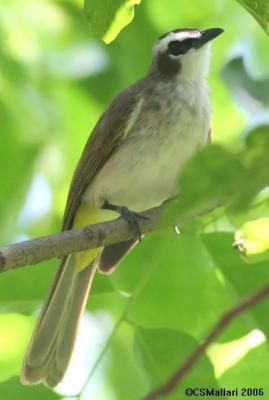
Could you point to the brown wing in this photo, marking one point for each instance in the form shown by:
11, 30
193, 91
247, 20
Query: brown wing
105, 137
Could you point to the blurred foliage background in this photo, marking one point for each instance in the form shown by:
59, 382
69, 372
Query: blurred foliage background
56, 78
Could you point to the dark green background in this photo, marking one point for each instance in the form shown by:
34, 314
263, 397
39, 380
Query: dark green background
55, 80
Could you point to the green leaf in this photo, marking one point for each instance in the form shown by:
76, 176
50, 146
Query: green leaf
108, 17
14, 177
223, 178
13, 389
256, 176
14, 333
241, 278
259, 9
161, 351
179, 287
256, 210
250, 372
217, 175
24, 288
252, 239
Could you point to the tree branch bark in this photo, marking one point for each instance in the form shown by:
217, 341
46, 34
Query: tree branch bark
194, 357
33, 251
57, 245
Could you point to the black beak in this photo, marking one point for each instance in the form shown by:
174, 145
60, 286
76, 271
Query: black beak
207, 35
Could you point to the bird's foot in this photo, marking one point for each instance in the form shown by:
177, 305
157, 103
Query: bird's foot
131, 217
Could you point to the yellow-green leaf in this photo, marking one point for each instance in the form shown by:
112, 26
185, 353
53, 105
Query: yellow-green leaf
253, 239
108, 17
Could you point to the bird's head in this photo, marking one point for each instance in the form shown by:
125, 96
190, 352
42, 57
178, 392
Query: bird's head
184, 53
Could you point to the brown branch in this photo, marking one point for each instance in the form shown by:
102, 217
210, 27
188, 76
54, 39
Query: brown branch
33, 251
194, 357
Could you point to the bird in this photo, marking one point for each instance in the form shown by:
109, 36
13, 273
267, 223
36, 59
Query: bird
130, 163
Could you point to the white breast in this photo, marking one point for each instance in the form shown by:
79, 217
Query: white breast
144, 171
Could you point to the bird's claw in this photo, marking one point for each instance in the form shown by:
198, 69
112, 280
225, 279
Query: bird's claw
132, 218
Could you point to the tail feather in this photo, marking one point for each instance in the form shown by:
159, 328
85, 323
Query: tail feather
113, 253
52, 341
66, 338
52, 315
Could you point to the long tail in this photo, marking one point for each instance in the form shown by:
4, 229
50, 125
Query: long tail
51, 345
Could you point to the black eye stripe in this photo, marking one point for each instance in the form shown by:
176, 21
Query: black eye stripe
175, 47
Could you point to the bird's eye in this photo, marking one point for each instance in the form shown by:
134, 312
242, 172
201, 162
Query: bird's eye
176, 47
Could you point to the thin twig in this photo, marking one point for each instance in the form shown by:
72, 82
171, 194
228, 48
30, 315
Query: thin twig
194, 357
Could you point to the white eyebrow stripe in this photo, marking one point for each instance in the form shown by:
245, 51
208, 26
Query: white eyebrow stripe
162, 44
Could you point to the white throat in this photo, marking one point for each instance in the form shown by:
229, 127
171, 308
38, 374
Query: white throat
195, 64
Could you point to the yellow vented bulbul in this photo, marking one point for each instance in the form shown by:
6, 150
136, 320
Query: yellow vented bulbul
131, 162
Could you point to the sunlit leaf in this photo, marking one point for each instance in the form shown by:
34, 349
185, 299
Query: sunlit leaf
253, 239
108, 17
250, 372
14, 332
226, 355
